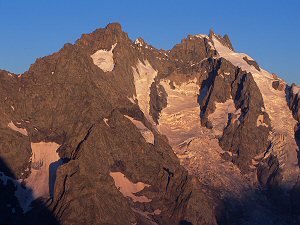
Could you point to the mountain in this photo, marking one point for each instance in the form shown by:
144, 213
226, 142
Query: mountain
114, 131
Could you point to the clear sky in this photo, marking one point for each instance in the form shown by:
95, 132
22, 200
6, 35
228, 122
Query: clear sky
267, 30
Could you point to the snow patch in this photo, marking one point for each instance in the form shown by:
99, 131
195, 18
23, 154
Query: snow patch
201, 36
128, 188
260, 121
219, 117
131, 99
104, 59
106, 121
156, 212
12, 126
144, 76
137, 42
40, 181
146, 133
235, 116
43, 155
211, 45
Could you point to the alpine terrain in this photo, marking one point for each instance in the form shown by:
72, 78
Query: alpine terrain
114, 131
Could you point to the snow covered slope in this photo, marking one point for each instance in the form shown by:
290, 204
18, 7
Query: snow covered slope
282, 120
196, 146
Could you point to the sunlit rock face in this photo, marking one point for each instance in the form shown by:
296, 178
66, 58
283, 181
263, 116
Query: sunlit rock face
114, 131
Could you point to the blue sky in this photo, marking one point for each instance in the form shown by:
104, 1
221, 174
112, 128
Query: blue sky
267, 30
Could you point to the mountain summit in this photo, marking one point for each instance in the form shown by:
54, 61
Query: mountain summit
114, 131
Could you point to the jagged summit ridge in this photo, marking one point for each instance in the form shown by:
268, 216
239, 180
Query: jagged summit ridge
148, 136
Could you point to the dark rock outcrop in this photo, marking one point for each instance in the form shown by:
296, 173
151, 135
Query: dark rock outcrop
158, 100
245, 137
293, 100
268, 172
278, 85
252, 63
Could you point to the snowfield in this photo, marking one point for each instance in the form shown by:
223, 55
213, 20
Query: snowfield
12, 126
104, 59
196, 146
128, 188
144, 76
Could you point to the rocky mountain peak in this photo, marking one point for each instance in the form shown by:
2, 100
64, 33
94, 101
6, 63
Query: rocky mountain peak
225, 40
140, 42
115, 27
211, 33
128, 134
104, 38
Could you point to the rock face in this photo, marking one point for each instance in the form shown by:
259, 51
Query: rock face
111, 131
293, 100
251, 62
278, 85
